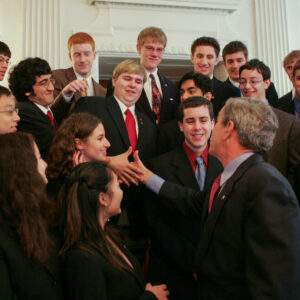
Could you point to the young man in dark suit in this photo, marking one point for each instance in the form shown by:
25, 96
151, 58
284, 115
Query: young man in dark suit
77, 81
286, 102
285, 153
32, 84
126, 126
191, 84
159, 99
235, 54
205, 56
249, 247
174, 265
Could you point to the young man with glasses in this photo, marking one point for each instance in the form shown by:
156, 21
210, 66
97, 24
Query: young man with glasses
285, 152
5, 55
32, 84
9, 117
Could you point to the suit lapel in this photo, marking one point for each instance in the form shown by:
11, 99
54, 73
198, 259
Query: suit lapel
209, 221
183, 169
144, 106
116, 115
40, 114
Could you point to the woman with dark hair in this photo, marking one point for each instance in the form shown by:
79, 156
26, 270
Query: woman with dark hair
81, 138
97, 265
29, 268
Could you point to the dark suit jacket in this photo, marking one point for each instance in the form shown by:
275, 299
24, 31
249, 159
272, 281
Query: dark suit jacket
108, 110
286, 103
34, 121
21, 279
222, 92
170, 102
174, 237
169, 137
250, 243
90, 276
271, 93
285, 152
61, 109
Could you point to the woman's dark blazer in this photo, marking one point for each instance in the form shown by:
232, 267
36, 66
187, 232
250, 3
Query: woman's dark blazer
90, 276
22, 279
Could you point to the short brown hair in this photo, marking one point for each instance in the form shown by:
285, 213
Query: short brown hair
129, 66
233, 47
206, 41
295, 54
154, 33
80, 38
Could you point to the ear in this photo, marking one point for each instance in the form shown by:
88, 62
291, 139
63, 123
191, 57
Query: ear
213, 123
229, 128
192, 58
27, 94
95, 54
113, 81
103, 199
70, 56
180, 126
217, 60
267, 83
78, 144
208, 96
138, 48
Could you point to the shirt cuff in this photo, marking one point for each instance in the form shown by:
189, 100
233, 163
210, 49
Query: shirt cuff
155, 183
67, 99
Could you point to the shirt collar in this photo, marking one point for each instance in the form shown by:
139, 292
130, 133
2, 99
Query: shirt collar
234, 83
80, 77
42, 108
193, 155
233, 165
123, 107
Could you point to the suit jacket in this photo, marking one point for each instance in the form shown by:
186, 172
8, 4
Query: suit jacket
170, 102
222, 92
249, 246
21, 278
34, 121
286, 103
174, 237
61, 109
90, 276
169, 137
108, 110
285, 152
271, 93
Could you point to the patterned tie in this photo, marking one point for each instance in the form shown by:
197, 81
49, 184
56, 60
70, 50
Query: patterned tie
131, 130
200, 172
215, 187
84, 93
156, 98
49, 115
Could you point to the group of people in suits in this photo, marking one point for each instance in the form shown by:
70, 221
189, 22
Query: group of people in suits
243, 241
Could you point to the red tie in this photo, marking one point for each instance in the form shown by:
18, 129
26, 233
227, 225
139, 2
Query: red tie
156, 98
131, 130
49, 115
215, 187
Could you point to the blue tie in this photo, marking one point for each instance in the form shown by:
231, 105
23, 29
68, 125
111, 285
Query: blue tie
200, 172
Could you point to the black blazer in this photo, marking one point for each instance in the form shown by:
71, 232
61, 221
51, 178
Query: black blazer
34, 121
90, 276
169, 137
174, 237
271, 93
108, 110
170, 102
222, 92
286, 103
250, 243
21, 278
285, 152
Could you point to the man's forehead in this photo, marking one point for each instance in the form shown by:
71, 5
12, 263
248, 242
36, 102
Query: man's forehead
4, 55
205, 49
251, 73
198, 111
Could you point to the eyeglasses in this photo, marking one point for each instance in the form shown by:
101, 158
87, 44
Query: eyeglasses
252, 82
10, 111
3, 61
45, 82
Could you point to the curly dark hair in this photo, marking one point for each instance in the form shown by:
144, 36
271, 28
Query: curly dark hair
4, 49
259, 66
206, 41
23, 76
79, 204
62, 148
24, 206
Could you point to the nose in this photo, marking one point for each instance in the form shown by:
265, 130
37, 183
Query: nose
184, 95
204, 60
16, 117
235, 64
106, 143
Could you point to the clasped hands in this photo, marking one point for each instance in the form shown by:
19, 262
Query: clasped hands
127, 172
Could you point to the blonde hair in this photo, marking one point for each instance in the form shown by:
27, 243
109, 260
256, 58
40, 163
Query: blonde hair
153, 33
129, 66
